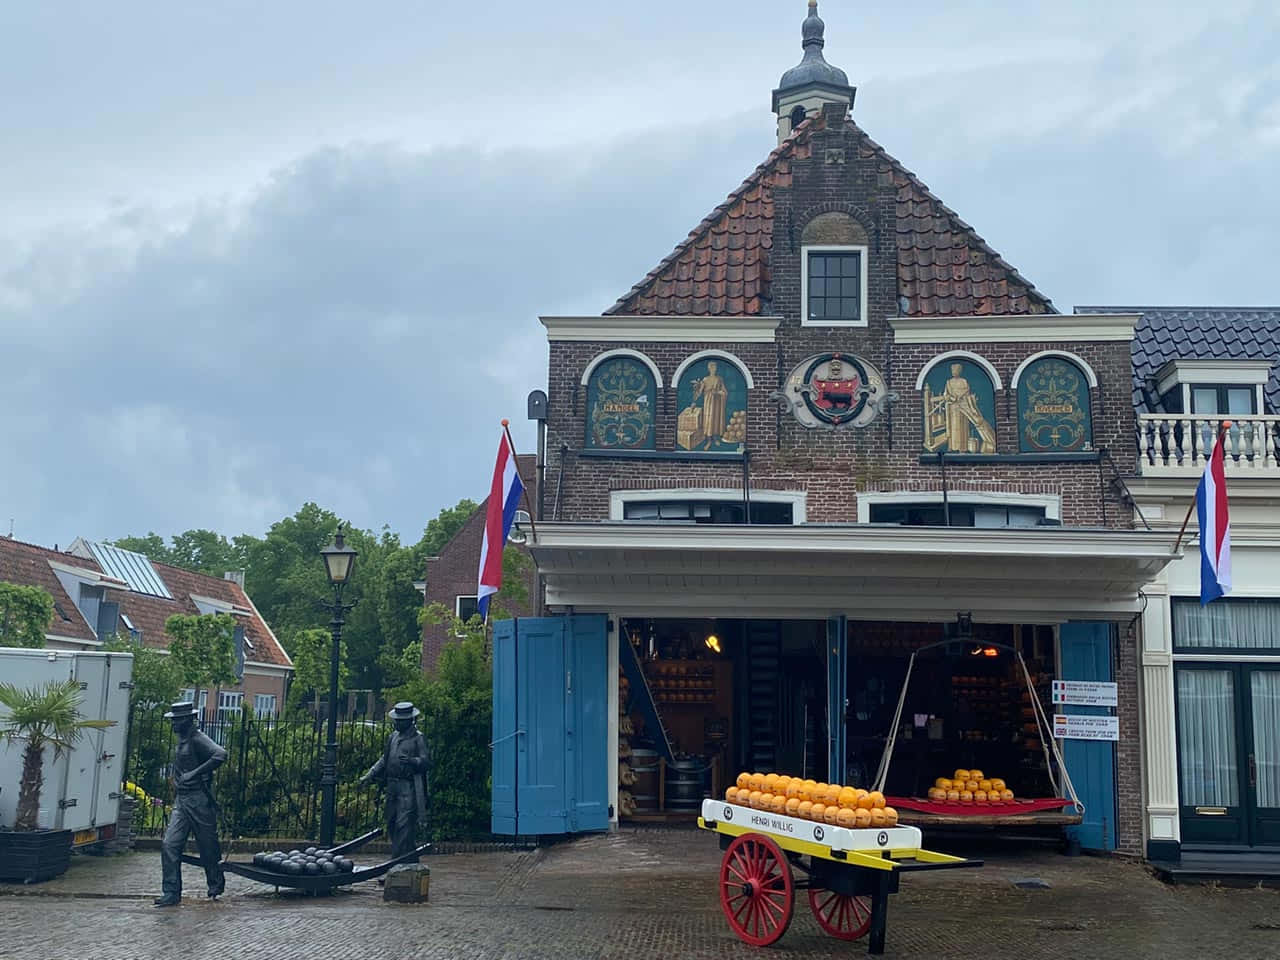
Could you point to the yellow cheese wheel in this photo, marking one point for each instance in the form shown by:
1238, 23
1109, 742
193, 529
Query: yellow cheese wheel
972, 785
877, 816
1007, 795
779, 803
877, 798
979, 796
984, 785
793, 806
757, 782
966, 796
804, 811
845, 817
975, 774
890, 817
936, 793
961, 774
831, 815
744, 781
953, 795
765, 801
942, 783
731, 795
818, 812
848, 797
862, 817
998, 784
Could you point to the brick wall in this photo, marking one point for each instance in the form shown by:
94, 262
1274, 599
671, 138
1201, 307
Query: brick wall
453, 573
1129, 825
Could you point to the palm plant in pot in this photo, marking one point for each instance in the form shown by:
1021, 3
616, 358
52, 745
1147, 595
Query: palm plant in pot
41, 717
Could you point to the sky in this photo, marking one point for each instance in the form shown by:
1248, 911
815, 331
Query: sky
253, 255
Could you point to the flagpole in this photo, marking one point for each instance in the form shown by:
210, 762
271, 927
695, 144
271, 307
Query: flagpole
1222, 430
524, 489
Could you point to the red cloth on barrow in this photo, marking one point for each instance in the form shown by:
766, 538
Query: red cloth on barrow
956, 808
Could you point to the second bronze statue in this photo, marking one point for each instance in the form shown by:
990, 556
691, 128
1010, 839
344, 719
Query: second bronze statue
405, 767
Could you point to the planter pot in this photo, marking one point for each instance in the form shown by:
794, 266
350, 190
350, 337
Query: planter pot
34, 855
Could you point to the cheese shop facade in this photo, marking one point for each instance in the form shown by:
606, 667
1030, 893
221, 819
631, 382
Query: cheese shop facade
831, 429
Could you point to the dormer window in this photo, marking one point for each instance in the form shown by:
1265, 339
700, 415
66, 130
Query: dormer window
834, 286
1212, 388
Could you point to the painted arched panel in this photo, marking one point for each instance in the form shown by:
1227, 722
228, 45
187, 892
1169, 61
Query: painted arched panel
622, 396
712, 399
959, 408
1053, 408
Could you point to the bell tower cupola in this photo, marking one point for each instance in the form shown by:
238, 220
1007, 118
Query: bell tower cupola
812, 83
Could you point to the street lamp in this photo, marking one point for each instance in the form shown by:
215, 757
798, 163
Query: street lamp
339, 561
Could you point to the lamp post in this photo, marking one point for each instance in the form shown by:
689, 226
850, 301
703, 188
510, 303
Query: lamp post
339, 561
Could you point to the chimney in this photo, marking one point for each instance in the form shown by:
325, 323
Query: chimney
235, 576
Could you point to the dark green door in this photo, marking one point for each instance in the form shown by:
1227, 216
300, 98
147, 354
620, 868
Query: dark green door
1229, 753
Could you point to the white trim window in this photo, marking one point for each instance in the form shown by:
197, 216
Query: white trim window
833, 286
229, 702
464, 608
703, 505
264, 705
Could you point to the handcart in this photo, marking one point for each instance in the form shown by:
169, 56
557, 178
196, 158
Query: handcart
849, 872
317, 883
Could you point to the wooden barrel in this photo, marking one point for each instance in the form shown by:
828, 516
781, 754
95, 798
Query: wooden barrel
644, 764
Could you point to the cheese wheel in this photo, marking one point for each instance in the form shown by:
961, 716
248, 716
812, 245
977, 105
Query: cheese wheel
731, 795
818, 812
890, 817
793, 806
862, 817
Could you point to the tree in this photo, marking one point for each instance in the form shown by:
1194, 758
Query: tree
442, 529
25, 615
200, 551
155, 674
202, 648
311, 661
47, 715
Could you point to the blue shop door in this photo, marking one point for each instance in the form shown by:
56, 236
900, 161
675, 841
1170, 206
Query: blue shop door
1086, 655
837, 693
550, 725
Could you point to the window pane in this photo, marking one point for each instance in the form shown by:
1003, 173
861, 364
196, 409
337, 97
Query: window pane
1204, 400
817, 265
1240, 400
849, 287
817, 308
641, 511
1240, 624
1207, 738
1265, 690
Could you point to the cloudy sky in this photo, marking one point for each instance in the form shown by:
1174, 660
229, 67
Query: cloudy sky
256, 254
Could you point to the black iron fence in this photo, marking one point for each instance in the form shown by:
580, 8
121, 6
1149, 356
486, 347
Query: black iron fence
270, 784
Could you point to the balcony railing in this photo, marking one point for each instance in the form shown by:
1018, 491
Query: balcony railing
1184, 442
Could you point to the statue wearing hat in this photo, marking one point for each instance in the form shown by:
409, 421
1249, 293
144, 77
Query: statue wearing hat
194, 809
404, 766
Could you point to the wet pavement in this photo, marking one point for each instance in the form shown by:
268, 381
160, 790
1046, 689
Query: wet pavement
634, 894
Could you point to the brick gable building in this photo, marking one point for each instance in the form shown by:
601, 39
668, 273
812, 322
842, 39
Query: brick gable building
831, 428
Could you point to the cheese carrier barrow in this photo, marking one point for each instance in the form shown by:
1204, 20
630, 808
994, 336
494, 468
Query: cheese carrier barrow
849, 873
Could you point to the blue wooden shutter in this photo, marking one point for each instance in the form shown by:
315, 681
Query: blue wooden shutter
1086, 655
505, 731
587, 746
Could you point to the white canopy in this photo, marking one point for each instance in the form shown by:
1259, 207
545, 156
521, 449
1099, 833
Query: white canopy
865, 571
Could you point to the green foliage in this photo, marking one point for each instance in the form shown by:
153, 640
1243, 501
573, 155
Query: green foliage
202, 551
202, 648
443, 528
25, 615
47, 715
311, 654
155, 675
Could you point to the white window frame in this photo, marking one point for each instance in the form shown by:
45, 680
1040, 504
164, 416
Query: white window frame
264, 705
1051, 504
457, 609
229, 702
618, 499
859, 248
1185, 374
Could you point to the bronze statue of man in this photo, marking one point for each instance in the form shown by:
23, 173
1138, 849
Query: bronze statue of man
194, 809
405, 765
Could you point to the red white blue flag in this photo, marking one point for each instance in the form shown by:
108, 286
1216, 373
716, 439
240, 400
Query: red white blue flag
1215, 529
504, 497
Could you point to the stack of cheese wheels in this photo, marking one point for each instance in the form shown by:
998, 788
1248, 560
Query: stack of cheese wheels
811, 800
970, 786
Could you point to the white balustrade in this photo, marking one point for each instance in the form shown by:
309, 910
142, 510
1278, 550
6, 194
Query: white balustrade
1184, 442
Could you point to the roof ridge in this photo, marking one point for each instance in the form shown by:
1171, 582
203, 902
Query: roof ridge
1174, 306
41, 547
1014, 273
801, 132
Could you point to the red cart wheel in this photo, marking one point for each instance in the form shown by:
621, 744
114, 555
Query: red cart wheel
756, 892
844, 917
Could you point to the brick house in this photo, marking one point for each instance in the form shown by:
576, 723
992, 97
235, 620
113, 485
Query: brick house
100, 591
832, 428
451, 575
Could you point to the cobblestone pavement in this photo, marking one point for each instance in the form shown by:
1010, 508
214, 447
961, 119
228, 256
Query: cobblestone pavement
633, 895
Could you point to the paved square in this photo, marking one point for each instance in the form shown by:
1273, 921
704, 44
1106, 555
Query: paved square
634, 894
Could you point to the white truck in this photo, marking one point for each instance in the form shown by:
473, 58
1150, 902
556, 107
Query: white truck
81, 789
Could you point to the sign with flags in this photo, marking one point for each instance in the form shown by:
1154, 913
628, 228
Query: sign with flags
1215, 528
504, 496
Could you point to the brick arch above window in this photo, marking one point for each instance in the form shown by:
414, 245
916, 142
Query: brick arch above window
981, 361
834, 228
622, 352
1065, 355
690, 360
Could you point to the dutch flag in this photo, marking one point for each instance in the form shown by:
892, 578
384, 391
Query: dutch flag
504, 496
1215, 529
